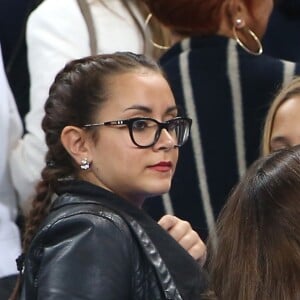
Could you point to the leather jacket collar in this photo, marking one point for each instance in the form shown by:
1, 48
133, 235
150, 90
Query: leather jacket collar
186, 272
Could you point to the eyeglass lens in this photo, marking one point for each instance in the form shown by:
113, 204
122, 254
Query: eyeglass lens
146, 132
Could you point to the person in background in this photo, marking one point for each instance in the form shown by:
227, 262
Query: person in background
282, 124
10, 132
57, 32
281, 38
113, 133
13, 16
258, 233
220, 75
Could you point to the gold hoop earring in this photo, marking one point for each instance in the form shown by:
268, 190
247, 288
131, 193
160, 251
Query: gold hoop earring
239, 23
156, 45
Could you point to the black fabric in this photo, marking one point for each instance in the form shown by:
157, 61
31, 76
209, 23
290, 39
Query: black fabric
189, 278
86, 251
214, 69
282, 36
290, 8
6, 286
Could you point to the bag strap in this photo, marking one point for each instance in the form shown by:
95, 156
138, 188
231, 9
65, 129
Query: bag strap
87, 15
163, 274
165, 278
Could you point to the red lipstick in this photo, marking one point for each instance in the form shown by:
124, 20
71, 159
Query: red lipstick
162, 166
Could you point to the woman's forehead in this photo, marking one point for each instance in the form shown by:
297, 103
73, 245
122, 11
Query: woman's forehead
136, 87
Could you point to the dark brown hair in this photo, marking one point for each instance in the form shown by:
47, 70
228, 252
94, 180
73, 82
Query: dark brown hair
74, 98
189, 17
258, 254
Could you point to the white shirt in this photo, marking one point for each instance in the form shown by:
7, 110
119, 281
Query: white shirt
56, 34
10, 132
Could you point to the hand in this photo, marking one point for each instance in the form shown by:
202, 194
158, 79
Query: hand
184, 234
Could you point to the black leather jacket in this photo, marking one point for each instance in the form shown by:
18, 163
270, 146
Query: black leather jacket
86, 250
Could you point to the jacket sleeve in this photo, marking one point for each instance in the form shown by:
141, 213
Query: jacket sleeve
10, 132
55, 34
86, 257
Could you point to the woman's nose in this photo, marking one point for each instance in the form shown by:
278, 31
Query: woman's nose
165, 141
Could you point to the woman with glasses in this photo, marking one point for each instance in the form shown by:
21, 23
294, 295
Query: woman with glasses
113, 132
60, 31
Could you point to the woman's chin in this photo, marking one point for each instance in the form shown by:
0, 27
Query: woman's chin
160, 190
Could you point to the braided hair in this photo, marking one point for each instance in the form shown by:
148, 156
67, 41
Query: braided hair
76, 95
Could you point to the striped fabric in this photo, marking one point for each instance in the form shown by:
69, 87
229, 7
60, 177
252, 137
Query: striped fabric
226, 92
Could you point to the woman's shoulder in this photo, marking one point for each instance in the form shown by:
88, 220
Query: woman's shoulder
71, 8
75, 219
48, 7
76, 238
56, 17
91, 212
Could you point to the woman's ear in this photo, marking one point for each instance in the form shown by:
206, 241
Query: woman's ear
240, 10
237, 9
76, 143
230, 12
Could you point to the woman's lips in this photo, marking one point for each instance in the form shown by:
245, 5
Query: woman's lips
162, 166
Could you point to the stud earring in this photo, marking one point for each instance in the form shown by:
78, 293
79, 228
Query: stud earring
85, 164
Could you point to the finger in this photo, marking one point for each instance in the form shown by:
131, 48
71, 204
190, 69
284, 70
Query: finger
176, 227
168, 221
189, 240
180, 229
199, 253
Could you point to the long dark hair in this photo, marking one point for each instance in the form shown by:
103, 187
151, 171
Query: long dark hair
75, 97
258, 254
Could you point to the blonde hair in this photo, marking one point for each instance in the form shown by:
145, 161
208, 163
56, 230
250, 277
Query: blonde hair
285, 93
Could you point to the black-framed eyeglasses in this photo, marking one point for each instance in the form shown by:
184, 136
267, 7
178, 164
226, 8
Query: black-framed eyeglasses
145, 132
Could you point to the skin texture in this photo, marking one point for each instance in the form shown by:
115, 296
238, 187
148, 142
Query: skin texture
286, 127
130, 173
184, 234
258, 20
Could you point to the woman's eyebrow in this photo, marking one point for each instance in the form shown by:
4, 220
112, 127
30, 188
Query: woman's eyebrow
172, 109
139, 107
279, 140
149, 110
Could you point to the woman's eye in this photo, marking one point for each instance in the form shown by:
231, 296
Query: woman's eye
173, 125
139, 125
276, 145
277, 148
